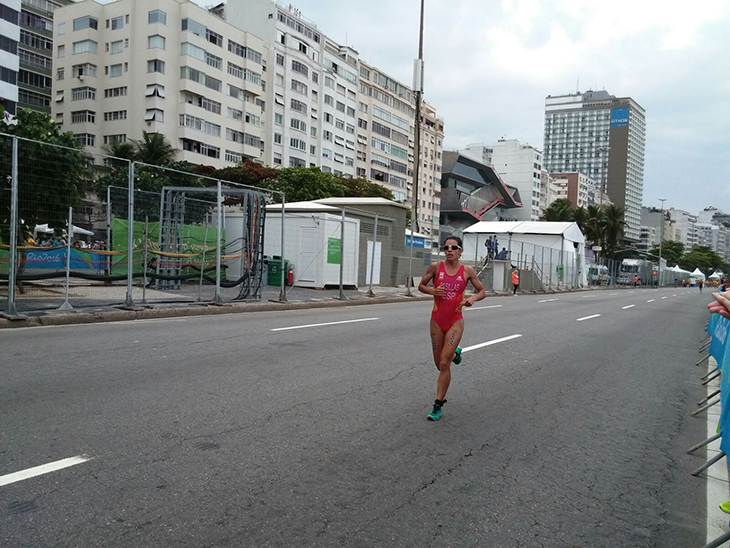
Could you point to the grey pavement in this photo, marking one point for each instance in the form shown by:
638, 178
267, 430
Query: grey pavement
217, 431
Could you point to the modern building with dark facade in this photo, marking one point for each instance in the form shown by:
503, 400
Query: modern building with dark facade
471, 192
604, 137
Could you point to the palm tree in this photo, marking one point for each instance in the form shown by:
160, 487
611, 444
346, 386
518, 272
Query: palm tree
580, 217
154, 149
119, 151
614, 223
560, 210
595, 226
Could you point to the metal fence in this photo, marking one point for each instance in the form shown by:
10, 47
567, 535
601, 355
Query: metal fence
68, 242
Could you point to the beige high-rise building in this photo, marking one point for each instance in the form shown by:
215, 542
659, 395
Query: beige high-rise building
161, 66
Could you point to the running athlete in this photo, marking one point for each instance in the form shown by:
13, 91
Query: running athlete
447, 322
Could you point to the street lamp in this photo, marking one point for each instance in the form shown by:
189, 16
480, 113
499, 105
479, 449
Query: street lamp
601, 150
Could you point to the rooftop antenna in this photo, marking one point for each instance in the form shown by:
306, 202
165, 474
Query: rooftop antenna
577, 85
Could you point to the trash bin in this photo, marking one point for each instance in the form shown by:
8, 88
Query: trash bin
275, 270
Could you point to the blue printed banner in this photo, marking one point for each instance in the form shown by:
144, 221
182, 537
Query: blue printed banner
620, 117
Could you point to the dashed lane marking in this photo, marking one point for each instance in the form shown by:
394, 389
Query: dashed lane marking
43, 469
323, 324
629, 306
482, 307
588, 318
489, 343
651, 300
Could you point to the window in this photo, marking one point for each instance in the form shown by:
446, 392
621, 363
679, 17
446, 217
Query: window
201, 148
298, 106
61, 51
233, 157
154, 90
187, 73
278, 119
85, 139
340, 106
350, 129
326, 153
85, 69
155, 65
156, 41
60, 73
235, 114
30, 39
312, 149
296, 162
328, 117
280, 59
114, 139
157, 16
298, 125
279, 79
351, 112
248, 53
85, 46
79, 94
302, 47
6, 44
329, 100
329, 82
209, 104
186, 120
154, 115
363, 107
214, 37
313, 131
315, 77
115, 115
339, 124
233, 91
301, 68
86, 23
117, 47
115, 71
117, 23
277, 138
253, 119
299, 87
115, 92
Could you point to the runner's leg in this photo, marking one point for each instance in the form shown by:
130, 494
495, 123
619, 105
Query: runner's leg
452, 338
437, 342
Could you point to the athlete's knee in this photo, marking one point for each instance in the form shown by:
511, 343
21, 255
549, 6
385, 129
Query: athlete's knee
444, 364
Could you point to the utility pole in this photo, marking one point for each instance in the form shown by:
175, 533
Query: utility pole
418, 88
661, 239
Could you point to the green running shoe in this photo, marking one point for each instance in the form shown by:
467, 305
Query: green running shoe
435, 414
725, 506
457, 356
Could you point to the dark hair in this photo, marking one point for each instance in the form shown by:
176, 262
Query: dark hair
456, 239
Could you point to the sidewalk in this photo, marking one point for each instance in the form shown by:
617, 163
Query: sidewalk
38, 307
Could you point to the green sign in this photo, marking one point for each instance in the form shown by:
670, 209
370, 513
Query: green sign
334, 250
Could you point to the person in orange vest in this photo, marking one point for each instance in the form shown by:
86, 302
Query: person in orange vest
636, 280
515, 281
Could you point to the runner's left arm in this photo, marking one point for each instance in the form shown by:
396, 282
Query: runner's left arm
480, 294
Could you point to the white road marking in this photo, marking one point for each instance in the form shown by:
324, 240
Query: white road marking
717, 476
489, 343
613, 294
482, 307
651, 300
548, 300
323, 324
43, 469
664, 297
588, 296
629, 306
630, 291
587, 318
674, 295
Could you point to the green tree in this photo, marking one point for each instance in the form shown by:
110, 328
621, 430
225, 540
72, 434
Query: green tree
53, 172
362, 188
671, 251
154, 149
306, 183
595, 224
580, 217
614, 223
560, 210
702, 257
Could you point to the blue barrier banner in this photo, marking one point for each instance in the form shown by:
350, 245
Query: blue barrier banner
55, 259
720, 350
712, 322
719, 341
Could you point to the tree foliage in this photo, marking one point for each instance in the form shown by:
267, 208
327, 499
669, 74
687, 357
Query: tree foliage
704, 258
671, 251
561, 210
53, 172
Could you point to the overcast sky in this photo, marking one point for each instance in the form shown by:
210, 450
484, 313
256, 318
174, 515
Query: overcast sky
490, 64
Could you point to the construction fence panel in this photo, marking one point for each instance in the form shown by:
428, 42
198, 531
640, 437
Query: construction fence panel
6, 154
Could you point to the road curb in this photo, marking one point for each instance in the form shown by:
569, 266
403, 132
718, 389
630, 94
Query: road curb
79, 318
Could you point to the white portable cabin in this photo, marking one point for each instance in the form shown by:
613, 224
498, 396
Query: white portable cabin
312, 243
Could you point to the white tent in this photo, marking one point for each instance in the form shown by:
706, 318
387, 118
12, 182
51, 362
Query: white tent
697, 274
715, 275
556, 249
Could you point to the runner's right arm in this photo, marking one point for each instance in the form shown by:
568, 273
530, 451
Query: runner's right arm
430, 274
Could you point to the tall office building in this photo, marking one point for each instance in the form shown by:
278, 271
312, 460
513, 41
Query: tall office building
162, 66
36, 53
9, 62
602, 136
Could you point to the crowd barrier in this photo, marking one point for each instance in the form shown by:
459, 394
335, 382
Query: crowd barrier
716, 345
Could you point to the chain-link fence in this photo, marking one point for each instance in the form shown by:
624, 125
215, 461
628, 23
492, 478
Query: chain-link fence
75, 233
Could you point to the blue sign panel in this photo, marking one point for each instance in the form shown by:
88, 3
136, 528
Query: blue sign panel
417, 241
620, 117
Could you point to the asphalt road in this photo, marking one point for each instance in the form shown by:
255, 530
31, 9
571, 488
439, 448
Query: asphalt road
218, 431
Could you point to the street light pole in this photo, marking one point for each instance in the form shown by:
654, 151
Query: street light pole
418, 88
661, 238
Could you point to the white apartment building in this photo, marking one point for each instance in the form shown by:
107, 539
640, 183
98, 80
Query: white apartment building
520, 166
604, 137
549, 190
429, 175
576, 187
9, 61
648, 238
685, 229
478, 152
161, 66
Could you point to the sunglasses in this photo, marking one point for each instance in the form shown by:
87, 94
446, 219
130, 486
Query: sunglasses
451, 247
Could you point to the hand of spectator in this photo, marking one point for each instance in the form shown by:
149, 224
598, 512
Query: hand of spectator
721, 305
